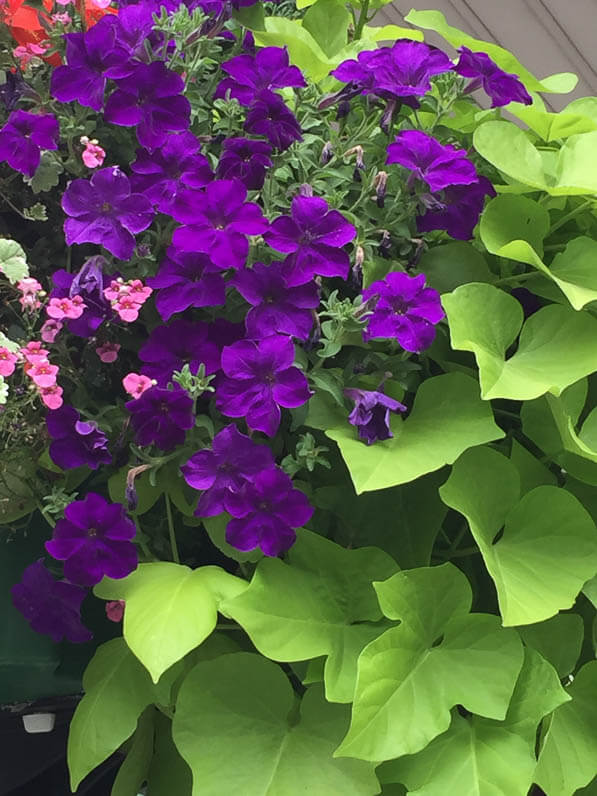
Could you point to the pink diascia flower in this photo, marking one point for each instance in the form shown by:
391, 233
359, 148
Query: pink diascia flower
64, 19
136, 384
8, 361
29, 288
51, 396
108, 352
93, 155
34, 352
43, 374
127, 298
71, 308
25, 53
50, 330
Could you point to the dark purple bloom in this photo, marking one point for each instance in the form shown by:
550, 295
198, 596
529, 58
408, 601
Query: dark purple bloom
371, 413
266, 511
135, 23
24, 136
270, 117
75, 442
437, 164
251, 74
52, 607
259, 379
218, 222
172, 346
313, 235
150, 99
233, 460
187, 280
89, 283
92, 58
103, 210
406, 310
174, 165
93, 540
12, 89
277, 307
162, 417
459, 210
245, 160
500, 86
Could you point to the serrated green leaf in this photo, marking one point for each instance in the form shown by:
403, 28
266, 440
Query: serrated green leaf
549, 543
13, 261
47, 175
447, 418
117, 690
245, 743
556, 345
438, 656
170, 609
320, 603
568, 758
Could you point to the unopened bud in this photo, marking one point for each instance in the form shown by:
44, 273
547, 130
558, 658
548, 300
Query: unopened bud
327, 153
379, 183
388, 114
306, 189
358, 151
343, 109
385, 244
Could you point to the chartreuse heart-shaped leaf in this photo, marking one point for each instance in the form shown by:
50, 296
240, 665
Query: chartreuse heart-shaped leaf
549, 544
568, 758
447, 417
559, 640
481, 757
117, 690
133, 769
321, 602
552, 126
556, 345
170, 609
439, 656
240, 729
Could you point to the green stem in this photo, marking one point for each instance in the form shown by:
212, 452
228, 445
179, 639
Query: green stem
512, 280
46, 516
572, 214
173, 545
358, 31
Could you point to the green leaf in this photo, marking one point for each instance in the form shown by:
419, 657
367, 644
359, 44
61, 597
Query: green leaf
133, 770
327, 21
216, 530
531, 471
249, 741
549, 543
573, 270
117, 690
453, 264
577, 164
16, 498
13, 261
303, 50
447, 418
568, 758
559, 640
480, 757
436, 21
320, 603
170, 609
147, 495
251, 17
552, 126
508, 148
47, 175
556, 345
168, 775
509, 219
391, 33
439, 656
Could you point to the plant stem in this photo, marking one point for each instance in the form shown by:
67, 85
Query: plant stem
572, 214
173, 545
358, 31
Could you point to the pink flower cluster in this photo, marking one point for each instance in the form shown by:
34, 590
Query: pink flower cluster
69, 308
25, 53
136, 384
93, 155
30, 290
42, 373
127, 298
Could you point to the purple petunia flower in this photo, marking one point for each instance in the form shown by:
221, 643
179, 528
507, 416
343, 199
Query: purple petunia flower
313, 235
150, 99
251, 74
89, 283
458, 212
270, 117
232, 460
500, 86
180, 342
162, 417
12, 90
75, 442
103, 210
174, 165
52, 607
371, 413
436, 164
259, 379
245, 160
218, 222
93, 540
277, 307
406, 310
92, 58
24, 136
266, 511
187, 280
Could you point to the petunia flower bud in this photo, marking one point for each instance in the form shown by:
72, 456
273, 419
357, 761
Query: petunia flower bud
379, 183
327, 153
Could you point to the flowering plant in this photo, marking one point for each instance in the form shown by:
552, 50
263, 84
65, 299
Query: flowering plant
297, 363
